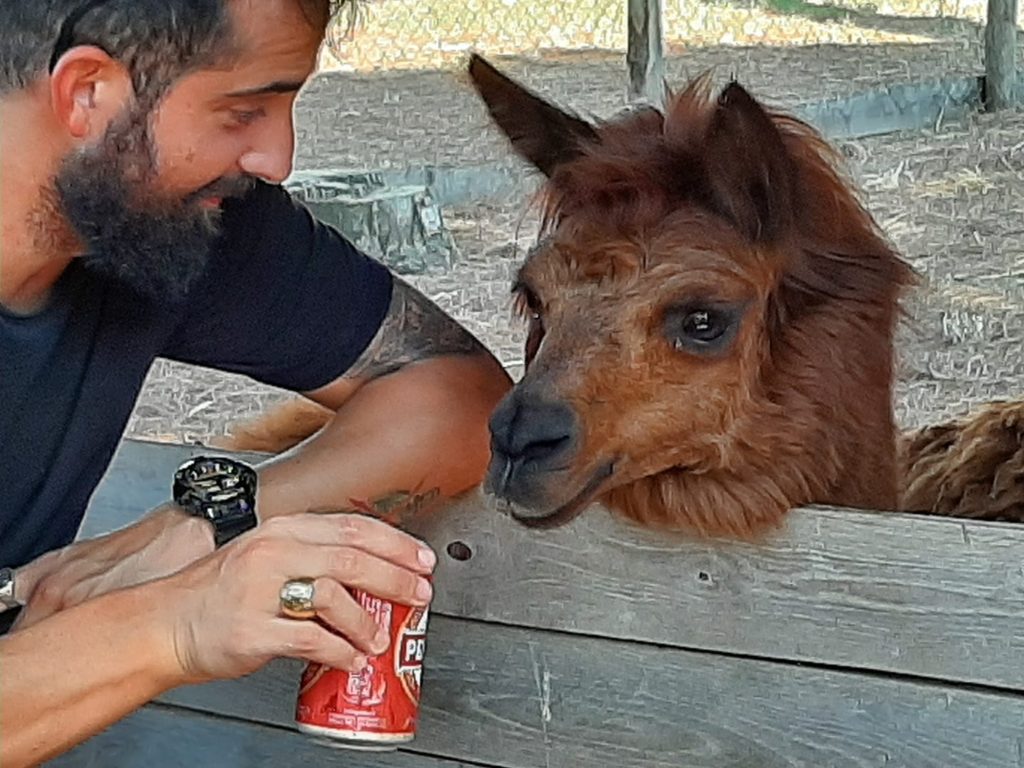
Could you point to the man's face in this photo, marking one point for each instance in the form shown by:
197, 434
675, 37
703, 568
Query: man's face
146, 198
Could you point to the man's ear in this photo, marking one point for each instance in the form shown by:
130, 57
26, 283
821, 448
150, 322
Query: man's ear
88, 89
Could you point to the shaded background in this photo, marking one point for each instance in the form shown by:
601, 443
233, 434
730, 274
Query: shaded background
391, 95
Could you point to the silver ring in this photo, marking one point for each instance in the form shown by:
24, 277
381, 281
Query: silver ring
297, 599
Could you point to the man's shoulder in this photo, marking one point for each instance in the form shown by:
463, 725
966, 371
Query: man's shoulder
267, 226
265, 204
286, 299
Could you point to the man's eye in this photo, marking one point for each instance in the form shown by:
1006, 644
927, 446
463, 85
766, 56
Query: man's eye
246, 116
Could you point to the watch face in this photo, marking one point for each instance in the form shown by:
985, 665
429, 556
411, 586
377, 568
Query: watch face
215, 486
221, 490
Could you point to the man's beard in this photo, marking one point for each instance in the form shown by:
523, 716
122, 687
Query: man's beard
154, 245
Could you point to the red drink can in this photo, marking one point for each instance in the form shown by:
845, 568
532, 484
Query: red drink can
376, 709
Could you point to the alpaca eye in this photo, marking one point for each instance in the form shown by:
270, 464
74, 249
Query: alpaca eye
534, 337
701, 329
527, 300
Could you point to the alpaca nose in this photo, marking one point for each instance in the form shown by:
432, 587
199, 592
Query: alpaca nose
531, 435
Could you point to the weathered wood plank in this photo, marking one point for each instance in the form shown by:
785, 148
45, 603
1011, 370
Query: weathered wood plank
524, 698
932, 597
1000, 54
160, 737
644, 54
921, 596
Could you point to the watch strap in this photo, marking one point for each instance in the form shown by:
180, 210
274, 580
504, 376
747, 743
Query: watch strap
227, 528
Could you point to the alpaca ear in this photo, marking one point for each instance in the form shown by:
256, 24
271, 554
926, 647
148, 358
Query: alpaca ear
752, 176
540, 133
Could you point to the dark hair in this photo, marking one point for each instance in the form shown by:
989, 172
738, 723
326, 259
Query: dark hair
157, 40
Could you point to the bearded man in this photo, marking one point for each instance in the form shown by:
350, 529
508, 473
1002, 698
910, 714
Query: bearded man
143, 144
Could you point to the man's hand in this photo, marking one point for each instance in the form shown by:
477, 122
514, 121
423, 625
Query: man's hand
225, 608
162, 543
82, 669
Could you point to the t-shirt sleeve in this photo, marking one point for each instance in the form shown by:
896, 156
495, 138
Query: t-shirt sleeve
286, 299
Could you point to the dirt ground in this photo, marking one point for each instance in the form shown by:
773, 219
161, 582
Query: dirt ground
952, 200
398, 118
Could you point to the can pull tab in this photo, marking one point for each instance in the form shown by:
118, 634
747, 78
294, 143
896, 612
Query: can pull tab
460, 551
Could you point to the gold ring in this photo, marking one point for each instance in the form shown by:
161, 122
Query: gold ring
297, 599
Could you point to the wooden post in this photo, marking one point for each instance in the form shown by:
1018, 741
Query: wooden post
1000, 54
644, 53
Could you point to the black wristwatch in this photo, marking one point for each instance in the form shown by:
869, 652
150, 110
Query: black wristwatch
220, 490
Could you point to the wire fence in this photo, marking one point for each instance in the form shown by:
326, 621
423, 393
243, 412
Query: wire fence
398, 102
418, 34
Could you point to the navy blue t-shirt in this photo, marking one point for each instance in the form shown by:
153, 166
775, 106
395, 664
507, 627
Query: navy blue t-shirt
286, 300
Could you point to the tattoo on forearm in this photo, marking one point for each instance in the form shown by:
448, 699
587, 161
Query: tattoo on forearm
413, 329
402, 507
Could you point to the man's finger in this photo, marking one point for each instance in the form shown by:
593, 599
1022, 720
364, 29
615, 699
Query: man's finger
358, 531
336, 607
309, 641
350, 567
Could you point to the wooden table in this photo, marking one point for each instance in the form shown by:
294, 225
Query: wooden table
848, 639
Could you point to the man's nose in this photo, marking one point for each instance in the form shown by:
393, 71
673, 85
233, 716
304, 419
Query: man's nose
271, 157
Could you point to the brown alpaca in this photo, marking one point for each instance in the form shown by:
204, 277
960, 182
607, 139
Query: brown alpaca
971, 467
711, 316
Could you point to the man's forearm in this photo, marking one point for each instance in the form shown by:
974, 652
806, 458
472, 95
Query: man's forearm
419, 428
159, 544
73, 674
